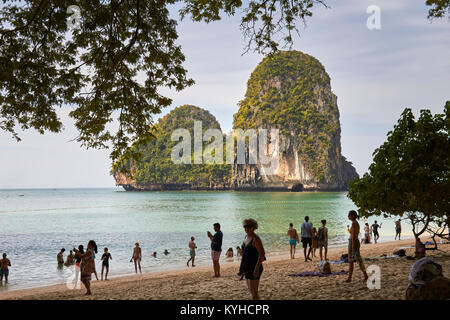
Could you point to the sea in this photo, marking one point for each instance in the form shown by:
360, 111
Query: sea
36, 223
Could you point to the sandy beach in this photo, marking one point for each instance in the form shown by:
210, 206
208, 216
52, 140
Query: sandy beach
198, 282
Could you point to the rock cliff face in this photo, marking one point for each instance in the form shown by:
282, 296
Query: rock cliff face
156, 170
291, 92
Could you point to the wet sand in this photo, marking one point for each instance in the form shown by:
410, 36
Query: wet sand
199, 283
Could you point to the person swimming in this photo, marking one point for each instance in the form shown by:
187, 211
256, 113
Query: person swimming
166, 252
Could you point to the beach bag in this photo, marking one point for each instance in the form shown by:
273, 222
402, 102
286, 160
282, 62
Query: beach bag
400, 253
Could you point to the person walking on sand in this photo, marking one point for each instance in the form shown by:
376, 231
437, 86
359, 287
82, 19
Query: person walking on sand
306, 228
353, 247
106, 256
216, 248
137, 257
293, 239
87, 264
5, 263
375, 227
398, 229
315, 241
323, 239
60, 258
253, 255
192, 247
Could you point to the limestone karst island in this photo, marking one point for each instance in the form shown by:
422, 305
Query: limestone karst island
291, 92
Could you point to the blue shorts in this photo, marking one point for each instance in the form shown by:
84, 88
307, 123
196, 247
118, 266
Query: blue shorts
292, 242
4, 272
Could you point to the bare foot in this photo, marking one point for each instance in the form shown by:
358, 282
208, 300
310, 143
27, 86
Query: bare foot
193, 265
348, 280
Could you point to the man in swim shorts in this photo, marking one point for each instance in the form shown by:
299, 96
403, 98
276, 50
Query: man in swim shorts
4, 270
306, 228
293, 239
192, 247
106, 256
216, 248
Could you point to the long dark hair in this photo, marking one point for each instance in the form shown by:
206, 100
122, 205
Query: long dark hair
94, 245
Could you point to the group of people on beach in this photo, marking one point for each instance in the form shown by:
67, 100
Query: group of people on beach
310, 237
252, 251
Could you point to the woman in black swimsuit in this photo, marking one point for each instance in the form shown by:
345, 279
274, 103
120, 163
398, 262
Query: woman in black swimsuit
252, 257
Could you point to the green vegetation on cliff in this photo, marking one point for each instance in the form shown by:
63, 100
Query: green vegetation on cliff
291, 91
156, 166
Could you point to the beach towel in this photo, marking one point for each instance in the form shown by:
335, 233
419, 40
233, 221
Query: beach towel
381, 257
337, 261
317, 274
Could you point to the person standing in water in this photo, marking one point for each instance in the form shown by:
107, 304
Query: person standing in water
60, 258
398, 229
87, 264
70, 259
216, 248
293, 239
106, 256
353, 247
253, 255
192, 247
5, 263
375, 227
323, 239
137, 257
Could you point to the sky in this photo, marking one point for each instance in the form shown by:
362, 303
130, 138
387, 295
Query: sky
375, 74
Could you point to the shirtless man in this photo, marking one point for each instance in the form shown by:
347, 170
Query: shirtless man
353, 247
293, 239
137, 257
4, 270
398, 229
192, 247
60, 257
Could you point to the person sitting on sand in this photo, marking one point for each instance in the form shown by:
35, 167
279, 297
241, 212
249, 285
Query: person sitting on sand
106, 256
253, 255
323, 239
70, 259
353, 247
4, 270
315, 241
293, 239
60, 257
229, 253
420, 249
137, 257
238, 251
192, 247
87, 264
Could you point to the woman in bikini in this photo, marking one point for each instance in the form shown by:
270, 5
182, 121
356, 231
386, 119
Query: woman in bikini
137, 257
253, 255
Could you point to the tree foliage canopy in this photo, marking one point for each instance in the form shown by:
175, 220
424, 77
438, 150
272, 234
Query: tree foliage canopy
94, 67
410, 173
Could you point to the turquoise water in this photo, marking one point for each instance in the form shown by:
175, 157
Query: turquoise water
37, 223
